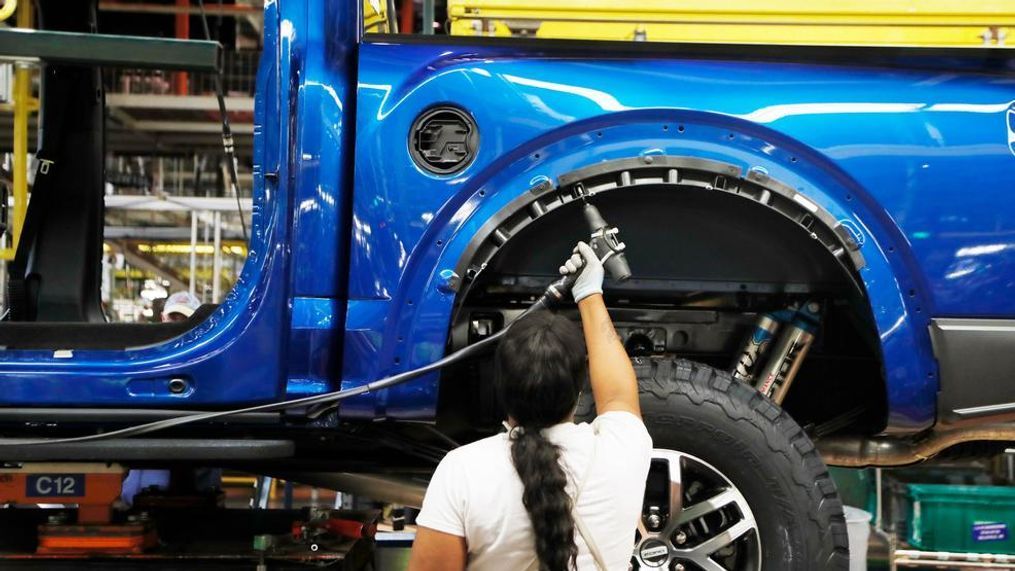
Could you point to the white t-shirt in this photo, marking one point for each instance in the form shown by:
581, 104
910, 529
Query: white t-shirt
477, 494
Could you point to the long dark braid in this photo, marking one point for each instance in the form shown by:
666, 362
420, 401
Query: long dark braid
541, 368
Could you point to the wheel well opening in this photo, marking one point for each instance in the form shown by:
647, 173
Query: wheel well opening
707, 263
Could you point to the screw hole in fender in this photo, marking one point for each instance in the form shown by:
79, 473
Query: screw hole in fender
178, 386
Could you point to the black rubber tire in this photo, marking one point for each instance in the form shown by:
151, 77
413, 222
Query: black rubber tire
693, 408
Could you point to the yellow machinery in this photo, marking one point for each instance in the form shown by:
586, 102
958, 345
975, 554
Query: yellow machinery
375, 17
7, 9
23, 104
836, 22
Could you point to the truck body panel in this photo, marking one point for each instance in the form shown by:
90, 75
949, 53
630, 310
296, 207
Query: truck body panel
353, 244
872, 144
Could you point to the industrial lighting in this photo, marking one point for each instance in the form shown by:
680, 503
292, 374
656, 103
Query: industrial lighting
203, 249
153, 290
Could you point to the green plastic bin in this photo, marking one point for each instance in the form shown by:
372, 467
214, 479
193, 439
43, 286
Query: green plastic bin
965, 519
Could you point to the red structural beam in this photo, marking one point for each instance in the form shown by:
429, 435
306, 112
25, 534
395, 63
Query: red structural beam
407, 17
182, 33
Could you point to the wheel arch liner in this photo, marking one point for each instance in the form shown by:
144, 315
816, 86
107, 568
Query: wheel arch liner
668, 171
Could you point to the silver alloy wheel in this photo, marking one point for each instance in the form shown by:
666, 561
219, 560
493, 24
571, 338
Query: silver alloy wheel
694, 519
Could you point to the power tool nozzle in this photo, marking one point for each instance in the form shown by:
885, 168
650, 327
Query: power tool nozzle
605, 242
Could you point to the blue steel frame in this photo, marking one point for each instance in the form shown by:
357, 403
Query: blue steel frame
350, 238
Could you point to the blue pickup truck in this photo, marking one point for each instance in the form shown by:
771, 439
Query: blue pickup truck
838, 218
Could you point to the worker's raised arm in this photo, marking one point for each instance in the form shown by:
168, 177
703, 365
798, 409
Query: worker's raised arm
614, 384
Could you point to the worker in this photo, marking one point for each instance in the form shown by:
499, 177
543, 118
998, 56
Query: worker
547, 494
180, 306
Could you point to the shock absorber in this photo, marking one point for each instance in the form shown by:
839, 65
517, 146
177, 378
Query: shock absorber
755, 347
789, 352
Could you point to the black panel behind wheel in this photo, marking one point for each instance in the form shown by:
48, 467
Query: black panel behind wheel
741, 475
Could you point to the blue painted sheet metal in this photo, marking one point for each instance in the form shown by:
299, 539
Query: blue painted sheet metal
328, 33
314, 346
245, 351
879, 149
367, 327
237, 355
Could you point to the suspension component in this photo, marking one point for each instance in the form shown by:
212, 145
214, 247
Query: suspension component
789, 352
757, 344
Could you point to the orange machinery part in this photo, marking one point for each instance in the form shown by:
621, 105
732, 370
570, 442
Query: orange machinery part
96, 539
348, 528
94, 505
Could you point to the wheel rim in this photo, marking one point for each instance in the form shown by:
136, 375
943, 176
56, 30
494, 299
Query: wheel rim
694, 519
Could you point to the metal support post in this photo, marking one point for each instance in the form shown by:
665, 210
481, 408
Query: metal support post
160, 174
428, 17
193, 253
178, 175
878, 523
204, 261
216, 272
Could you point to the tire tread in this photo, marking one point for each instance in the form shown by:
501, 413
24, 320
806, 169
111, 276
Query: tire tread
698, 384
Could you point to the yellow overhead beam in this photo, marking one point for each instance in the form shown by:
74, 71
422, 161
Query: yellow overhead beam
857, 22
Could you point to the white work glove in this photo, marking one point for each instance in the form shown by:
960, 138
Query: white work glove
586, 264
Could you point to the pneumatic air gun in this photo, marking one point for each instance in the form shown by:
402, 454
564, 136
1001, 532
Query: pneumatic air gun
605, 242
